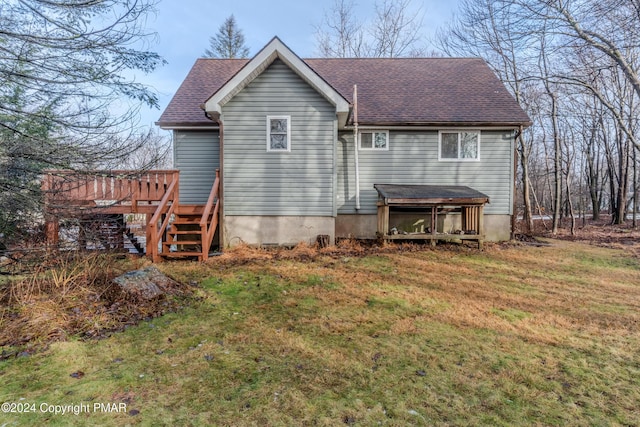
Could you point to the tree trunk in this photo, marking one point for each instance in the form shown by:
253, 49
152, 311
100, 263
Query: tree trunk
635, 185
557, 169
593, 180
526, 187
620, 208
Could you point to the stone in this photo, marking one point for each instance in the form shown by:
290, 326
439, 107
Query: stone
147, 283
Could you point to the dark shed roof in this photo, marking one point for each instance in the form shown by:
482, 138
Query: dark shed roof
429, 194
399, 91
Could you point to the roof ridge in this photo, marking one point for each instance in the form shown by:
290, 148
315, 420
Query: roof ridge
395, 59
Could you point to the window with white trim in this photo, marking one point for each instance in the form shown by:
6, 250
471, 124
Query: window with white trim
279, 133
459, 145
374, 140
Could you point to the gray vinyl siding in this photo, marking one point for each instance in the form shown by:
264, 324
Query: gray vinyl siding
196, 155
300, 182
413, 159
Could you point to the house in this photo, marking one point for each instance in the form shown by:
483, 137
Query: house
277, 150
304, 146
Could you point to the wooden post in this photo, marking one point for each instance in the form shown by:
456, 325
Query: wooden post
322, 240
383, 219
51, 223
480, 226
82, 234
135, 193
149, 249
434, 224
52, 227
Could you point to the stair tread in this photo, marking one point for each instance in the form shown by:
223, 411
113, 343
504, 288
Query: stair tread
179, 254
182, 242
184, 232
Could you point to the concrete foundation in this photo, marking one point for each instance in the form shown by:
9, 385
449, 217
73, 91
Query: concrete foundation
356, 226
497, 228
291, 230
277, 230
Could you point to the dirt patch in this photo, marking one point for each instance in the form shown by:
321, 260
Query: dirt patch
244, 254
598, 233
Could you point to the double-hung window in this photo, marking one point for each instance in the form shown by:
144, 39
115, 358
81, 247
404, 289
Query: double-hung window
374, 140
279, 133
459, 145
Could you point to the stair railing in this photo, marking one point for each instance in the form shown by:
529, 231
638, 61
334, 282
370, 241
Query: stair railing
155, 233
208, 229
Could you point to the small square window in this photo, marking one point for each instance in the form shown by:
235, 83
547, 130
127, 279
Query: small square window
278, 133
374, 140
366, 141
449, 146
468, 145
459, 145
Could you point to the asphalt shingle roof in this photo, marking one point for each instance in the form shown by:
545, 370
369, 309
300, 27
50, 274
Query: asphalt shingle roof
399, 91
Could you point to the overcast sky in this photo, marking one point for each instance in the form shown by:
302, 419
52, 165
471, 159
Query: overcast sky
183, 29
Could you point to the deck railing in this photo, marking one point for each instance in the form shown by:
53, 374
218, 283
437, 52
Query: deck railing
65, 189
71, 193
208, 228
161, 216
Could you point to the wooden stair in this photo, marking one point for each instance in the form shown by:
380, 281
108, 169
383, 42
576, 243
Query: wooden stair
183, 231
184, 238
102, 199
134, 240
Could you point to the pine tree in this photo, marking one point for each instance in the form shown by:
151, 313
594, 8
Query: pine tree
65, 99
228, 42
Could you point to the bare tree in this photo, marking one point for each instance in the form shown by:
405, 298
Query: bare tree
64, 99
340, 34
395, 31
605, 31
154, 152
228, 42
587, 61
592, 148
485, 28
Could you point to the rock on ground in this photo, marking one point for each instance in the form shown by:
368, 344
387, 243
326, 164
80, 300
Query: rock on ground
147, 283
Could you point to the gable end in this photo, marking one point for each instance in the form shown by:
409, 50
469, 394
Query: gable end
275, 49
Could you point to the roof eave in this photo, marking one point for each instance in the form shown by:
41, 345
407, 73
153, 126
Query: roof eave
187, 125
510, 124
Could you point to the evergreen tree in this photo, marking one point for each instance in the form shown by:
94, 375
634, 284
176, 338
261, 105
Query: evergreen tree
228, 42
65, 100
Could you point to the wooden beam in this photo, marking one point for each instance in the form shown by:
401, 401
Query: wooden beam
383, 219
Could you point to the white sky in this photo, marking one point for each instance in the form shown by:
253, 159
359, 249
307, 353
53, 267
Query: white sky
183, 29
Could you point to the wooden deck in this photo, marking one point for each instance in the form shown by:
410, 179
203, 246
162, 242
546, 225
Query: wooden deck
154, 193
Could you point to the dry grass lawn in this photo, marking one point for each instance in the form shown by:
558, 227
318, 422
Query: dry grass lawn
513, 335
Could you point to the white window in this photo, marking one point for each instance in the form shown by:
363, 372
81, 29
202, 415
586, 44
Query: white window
459, 145
374, 140
279, 133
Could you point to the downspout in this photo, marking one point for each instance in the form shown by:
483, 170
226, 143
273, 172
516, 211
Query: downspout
355, 144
